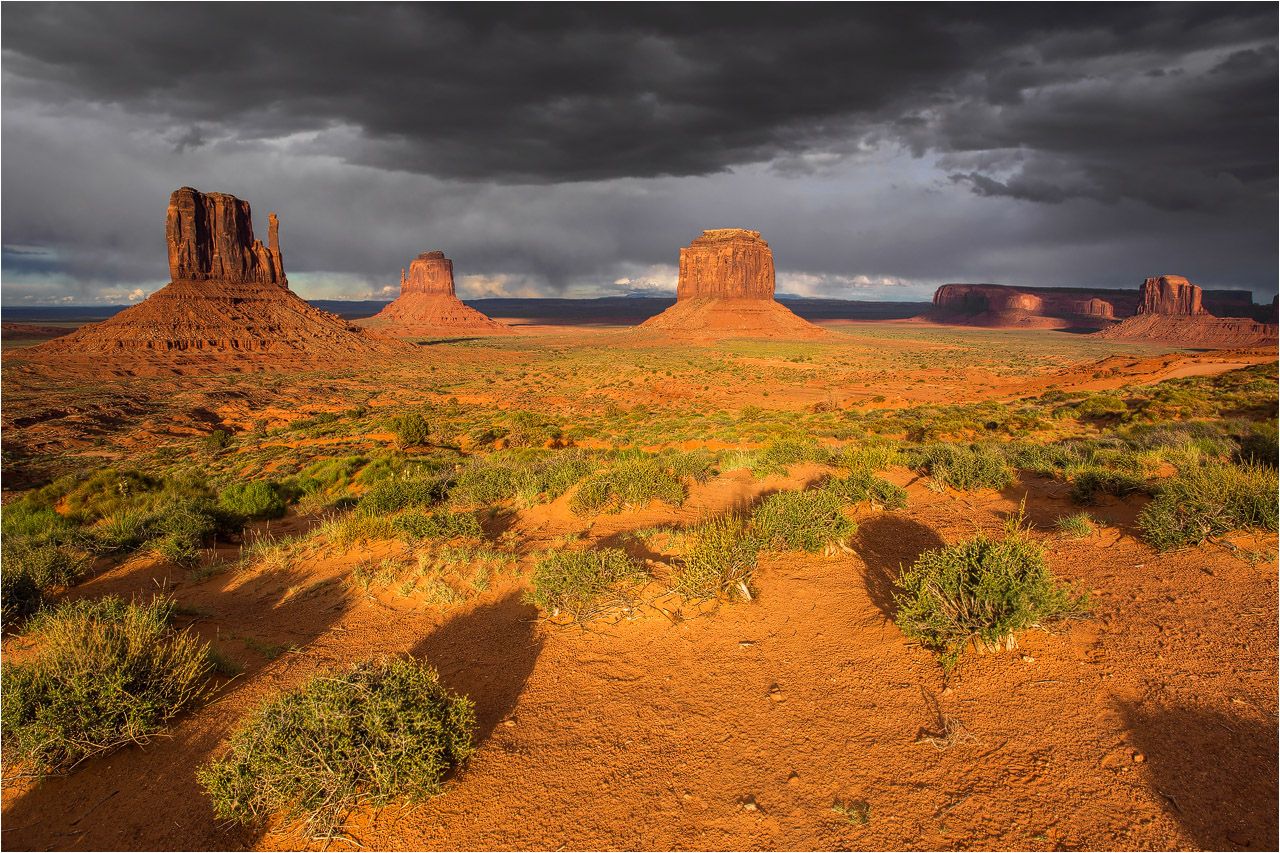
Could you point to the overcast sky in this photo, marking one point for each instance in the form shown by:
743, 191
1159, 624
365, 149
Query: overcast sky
571, 151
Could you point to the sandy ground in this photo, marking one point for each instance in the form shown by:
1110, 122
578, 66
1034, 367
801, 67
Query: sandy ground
1152, 725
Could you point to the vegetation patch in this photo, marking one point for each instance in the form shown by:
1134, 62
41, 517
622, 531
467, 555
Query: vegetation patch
861, 486
802, 521
107, 673
30, 570
1090, 482
583, 585
1210, 500
961, 467
719, 557
257, 500
384, 730
628, 483
984, 589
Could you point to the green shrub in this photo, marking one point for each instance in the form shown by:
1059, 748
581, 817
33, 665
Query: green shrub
1210, 500
583, 584
29, 520
1099, 406
30, 569
627, 483
441, 524
217, 440
719, 557
1090, 482
983, 589
530, 475
341, 740
1078, 525
178, 530
120, 531
697, 465
869, 457
861, 485
1260, 445
802, 521
256, 500
106, 673
960, 467
397, 493
411, 429
781, 453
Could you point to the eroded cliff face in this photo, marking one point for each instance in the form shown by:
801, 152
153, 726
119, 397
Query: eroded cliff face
999, 305
1170, 294
430, 272
726, 263
228, 297
210, 236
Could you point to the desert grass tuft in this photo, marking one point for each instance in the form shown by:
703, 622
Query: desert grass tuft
582, 585
1210, 500
107, 673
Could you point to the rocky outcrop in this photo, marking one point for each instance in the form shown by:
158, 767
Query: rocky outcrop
1170, 294
726, 291
228, 296
1002, 306
430, 272
1171, 309
210, 236
1194, 330
428, 307
726, 263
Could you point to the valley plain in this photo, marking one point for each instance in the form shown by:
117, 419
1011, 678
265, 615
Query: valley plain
800, 717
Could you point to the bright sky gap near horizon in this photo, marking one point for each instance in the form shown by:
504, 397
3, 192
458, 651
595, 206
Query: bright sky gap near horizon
571, 151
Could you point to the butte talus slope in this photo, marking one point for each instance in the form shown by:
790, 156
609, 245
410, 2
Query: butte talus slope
726, 290
228, 296
1170, 308
428, 305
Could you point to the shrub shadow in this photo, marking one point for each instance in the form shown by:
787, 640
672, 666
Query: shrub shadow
1215, 773
887, 544
486, 654
147, 797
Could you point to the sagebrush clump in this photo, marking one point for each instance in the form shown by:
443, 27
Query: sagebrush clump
984, 589
384, 729
107, 673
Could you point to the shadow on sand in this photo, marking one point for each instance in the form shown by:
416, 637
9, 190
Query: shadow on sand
486, 654
1216, 773
888, 544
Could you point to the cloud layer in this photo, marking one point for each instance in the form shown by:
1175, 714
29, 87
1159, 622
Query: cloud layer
570, 150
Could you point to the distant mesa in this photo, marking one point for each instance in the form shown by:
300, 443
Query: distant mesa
428, 306
726, 290
1000, 306
228, 295
1170, 308
1111, 313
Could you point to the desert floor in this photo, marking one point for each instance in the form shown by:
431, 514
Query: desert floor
1151, 725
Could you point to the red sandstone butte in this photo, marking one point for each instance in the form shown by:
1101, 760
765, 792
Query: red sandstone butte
726, 263
1170, 310
427, 305
228, 296
726, 290
1170, 294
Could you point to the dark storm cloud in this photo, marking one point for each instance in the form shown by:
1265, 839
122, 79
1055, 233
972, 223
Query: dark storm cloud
561, 148
1098, 95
